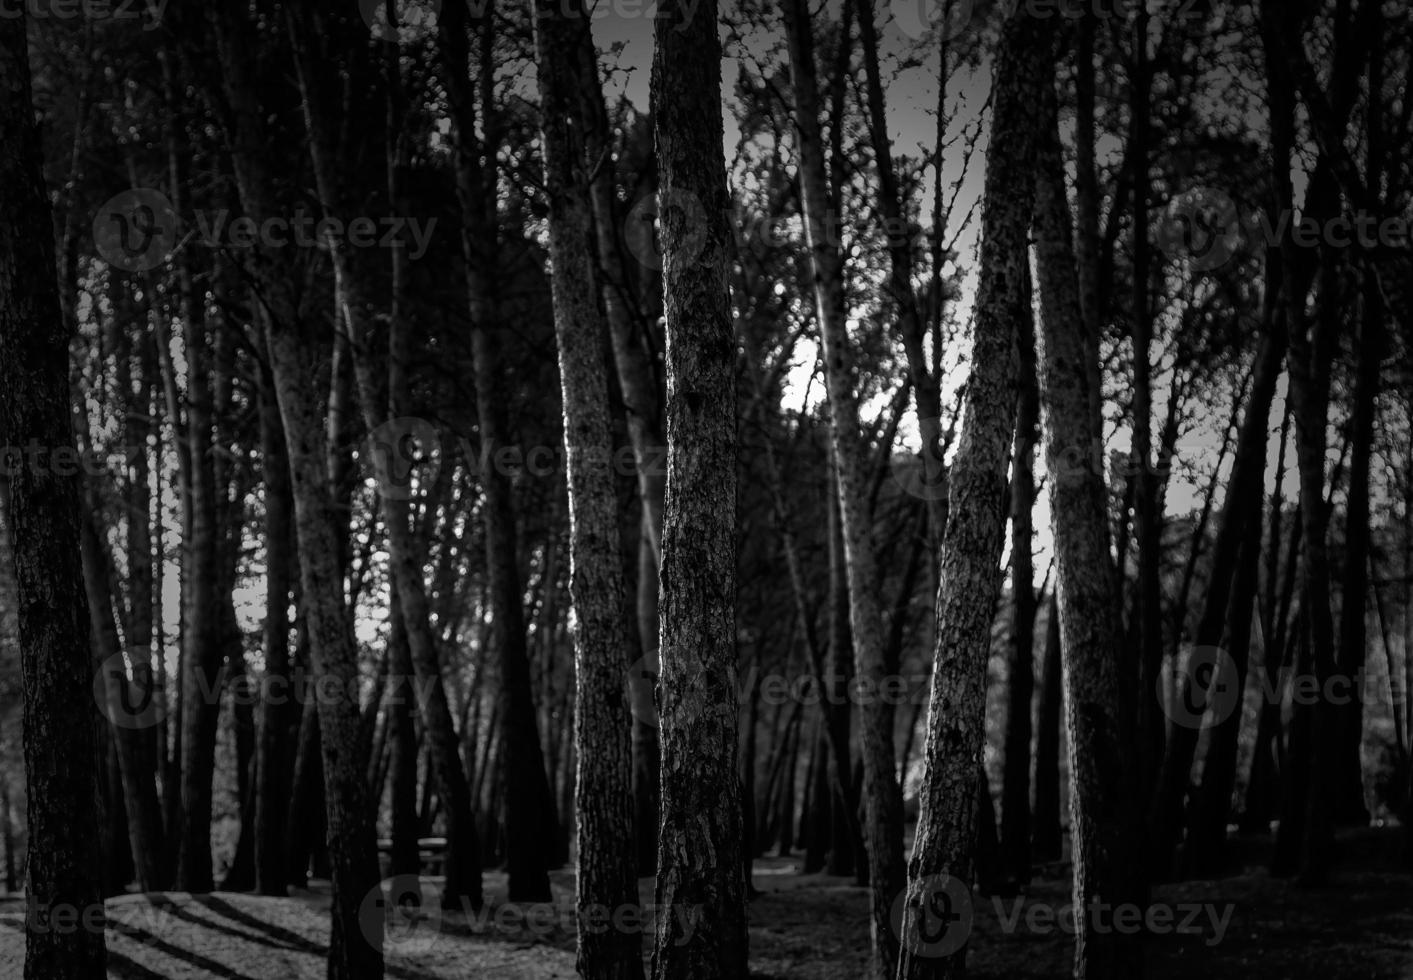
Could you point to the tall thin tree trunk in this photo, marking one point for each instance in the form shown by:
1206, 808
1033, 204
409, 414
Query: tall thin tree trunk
969, 578
139, 370
138, 796
1087, 205
402, 766
201, 646
1239, 518
602, 736
1046, 838
463, 865
1020, 684
845, 842
642, 400
1348, 787
1103, 810
45, 512
355, 947
699, 854
530, 805
900, 293
1148, 516
882, 796
277, 720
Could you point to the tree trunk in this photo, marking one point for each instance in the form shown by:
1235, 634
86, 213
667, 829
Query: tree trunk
969, 576
355, 948
201, 646
699, 854
641, 390
278, 710
899, 291
1240, 516
355, 952
845, 842
602, 736
647, 754
1020, 685
307, 776
140, 371
45, 511
1348, 786
529, 803
407, 560
139, 796
816, 824
1046, 841
405, 859
1087, 206
882, 796
1313, 346
1148, 516
1103, 812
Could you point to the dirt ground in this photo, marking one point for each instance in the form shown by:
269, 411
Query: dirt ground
1248, 926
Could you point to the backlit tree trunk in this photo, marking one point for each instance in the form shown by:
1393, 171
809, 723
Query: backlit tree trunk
881, 794
970, 571
603, 797
463, 867
699, 851
642, 402
201, 629
1103, 808
355, 941
1020, 674
279, 713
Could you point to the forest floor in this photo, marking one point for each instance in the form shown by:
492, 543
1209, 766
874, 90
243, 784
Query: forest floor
1249, 926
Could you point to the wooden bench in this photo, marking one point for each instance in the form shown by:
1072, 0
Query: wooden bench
431, 855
